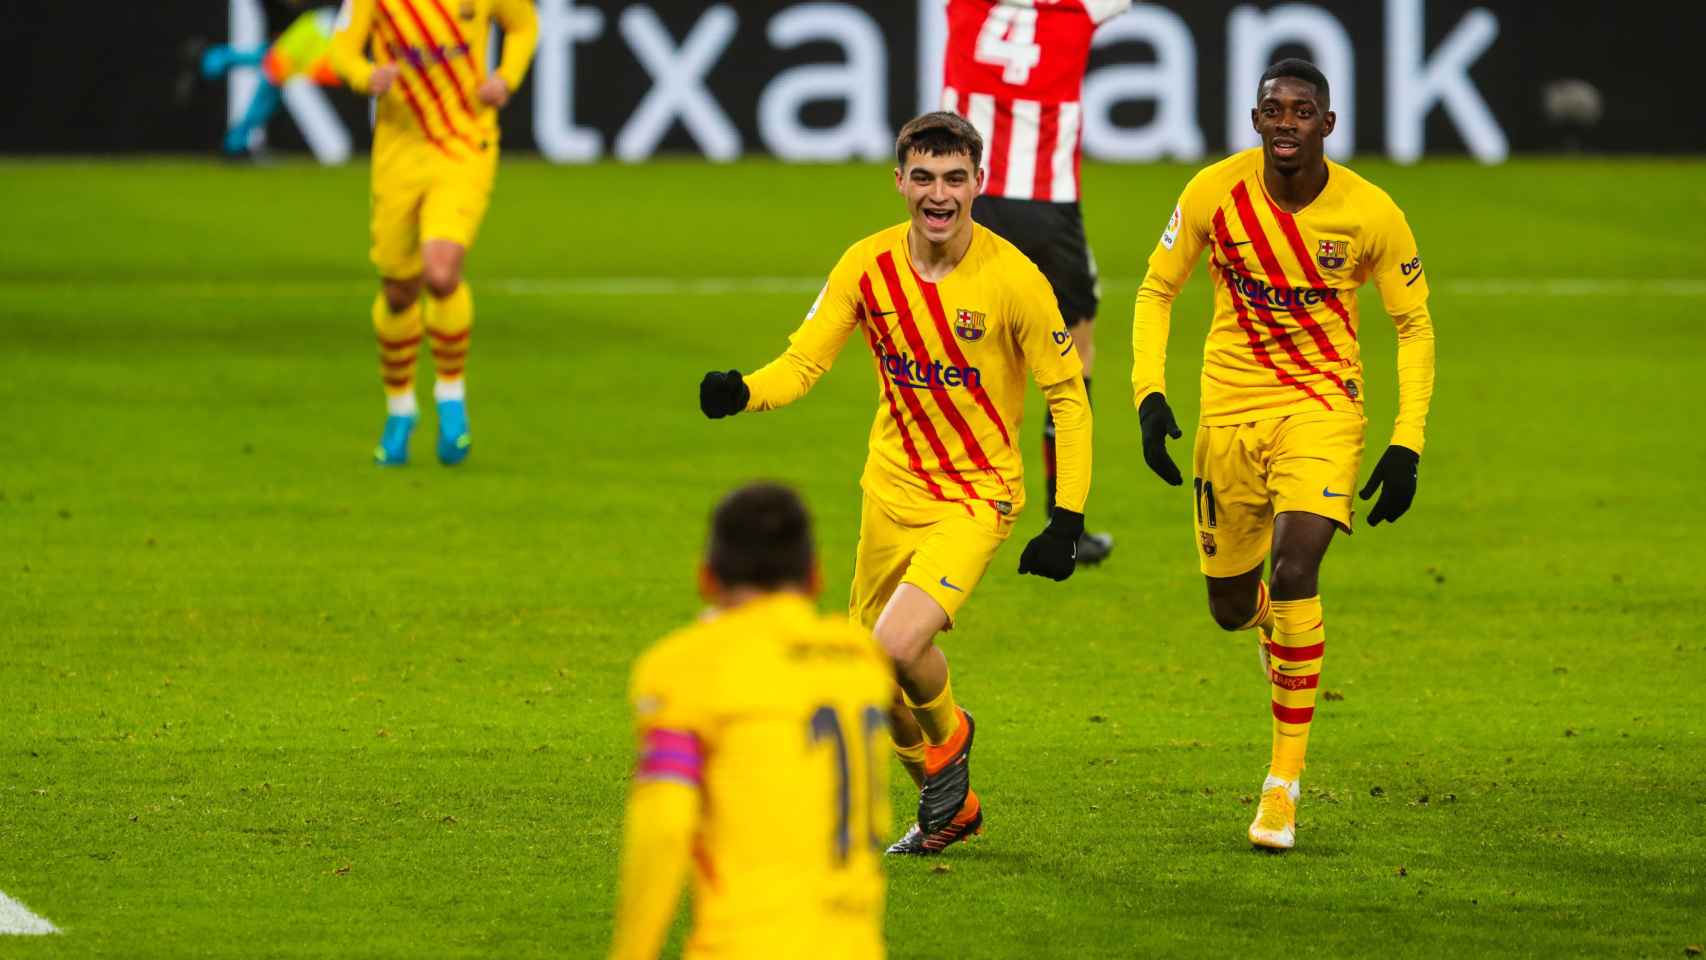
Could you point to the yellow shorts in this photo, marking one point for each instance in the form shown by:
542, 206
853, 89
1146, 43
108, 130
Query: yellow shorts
420, 194
1245, 473
940, 548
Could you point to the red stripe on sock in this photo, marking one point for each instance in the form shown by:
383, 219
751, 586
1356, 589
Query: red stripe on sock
446, 339
1286, 714
1297, 654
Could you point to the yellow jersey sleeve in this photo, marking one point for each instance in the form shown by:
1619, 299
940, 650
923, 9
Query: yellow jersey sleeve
521, 35
348, 52
813, 347
1397, 271
1397, 263
667, 691
1170, 265
1038, 330
664, 803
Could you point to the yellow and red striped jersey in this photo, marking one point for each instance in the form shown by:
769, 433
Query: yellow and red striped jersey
951, 359
1284, 335
441, 48
777, 717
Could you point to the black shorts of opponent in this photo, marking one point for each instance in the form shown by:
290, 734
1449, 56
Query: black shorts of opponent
1052, 235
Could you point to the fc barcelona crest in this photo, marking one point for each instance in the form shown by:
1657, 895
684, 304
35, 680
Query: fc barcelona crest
968, 325
1331, 253
467, 10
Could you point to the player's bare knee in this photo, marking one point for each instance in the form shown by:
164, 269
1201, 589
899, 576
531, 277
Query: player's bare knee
903, 647
400, 295
1293, 578
443, 279
1232, 614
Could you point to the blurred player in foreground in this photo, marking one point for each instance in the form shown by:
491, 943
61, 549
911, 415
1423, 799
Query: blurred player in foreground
300, 51
1291, 236
955, 318
761, 759
1015, 69
435, 156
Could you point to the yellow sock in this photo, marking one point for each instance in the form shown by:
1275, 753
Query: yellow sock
938, 718
912, 758
449, 322
399, 337
1263, 619
1294, 673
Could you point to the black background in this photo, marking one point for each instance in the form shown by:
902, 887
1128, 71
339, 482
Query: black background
95, 77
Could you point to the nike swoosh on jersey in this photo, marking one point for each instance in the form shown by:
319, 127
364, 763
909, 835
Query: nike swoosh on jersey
1328, 493
944, 582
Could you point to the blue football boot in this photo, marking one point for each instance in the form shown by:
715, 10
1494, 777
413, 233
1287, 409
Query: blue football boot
453, 440
393, 449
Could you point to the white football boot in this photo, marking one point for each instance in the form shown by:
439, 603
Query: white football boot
1275, 826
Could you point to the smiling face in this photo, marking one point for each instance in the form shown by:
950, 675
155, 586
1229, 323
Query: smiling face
1293, 120
939, 190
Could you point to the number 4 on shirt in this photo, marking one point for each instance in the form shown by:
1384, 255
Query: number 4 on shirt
1008, 40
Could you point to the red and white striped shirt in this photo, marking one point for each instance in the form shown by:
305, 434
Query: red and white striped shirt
1015, 69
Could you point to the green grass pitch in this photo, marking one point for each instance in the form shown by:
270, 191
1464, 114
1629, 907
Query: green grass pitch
258, 697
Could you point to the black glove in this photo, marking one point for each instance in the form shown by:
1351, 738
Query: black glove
1156, 419
1395, 477
1054, 552
723, 394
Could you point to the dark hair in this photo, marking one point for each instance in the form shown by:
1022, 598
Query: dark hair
1297, 69
939, 134
760, 537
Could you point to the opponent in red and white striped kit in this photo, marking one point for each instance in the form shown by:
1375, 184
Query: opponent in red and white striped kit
1015, 69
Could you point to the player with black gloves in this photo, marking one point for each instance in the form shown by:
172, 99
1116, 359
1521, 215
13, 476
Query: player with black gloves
956, 320
1291, 236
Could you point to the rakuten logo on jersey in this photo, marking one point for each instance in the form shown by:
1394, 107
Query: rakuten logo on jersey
907, 372
1261, 294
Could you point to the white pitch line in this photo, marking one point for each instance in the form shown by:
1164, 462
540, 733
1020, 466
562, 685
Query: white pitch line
686, 286
15, 918
1578, 287
1683, 287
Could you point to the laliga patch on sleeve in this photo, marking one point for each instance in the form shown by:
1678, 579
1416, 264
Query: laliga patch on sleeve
1171, 235
817, 303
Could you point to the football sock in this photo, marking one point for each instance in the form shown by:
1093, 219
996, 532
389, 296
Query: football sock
1293, 674
443, 390
399, 337
266, 100
449, 321
912, 758
939, 717
1263, 619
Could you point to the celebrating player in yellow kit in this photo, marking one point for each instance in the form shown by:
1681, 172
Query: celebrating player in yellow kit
954, 317
435, 155
761, 759
1291, 236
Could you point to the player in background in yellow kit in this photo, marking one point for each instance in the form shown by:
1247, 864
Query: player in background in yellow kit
1291, 236
956, 319
761, 732
435, 155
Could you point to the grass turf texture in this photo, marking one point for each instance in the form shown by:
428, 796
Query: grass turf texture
261, 697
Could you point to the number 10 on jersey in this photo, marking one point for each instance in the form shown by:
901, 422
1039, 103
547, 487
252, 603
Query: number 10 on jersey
826, 725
